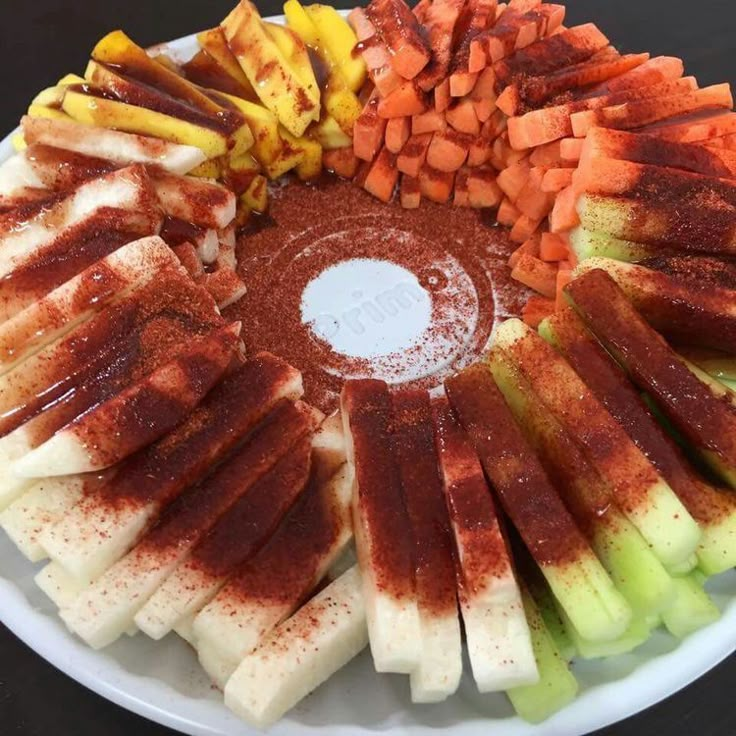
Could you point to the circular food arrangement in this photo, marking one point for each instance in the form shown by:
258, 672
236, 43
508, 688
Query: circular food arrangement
408, 331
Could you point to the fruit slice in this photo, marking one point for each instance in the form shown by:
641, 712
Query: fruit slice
591, 244
294, 101
339, 41
693, 608
413, 154
496, 630
439, 26
536, 90
122, 199
638, 113
702, 127
103, 527
269, 588
713, 509
61, 310
578, 580
112, 145
658, 69
214, 43
636, 634
651, 149
201, 203
704, 228
301, 653
636, 572
40, 507
538, 127
138, 415
235, 538
644, 182
384, 544
88, 105
557, 686
57, 373
214, 66
239, 534
639, 490
692, 300
114, 82
654, 366
113, 350
106, 609
440, 663
401, 32
119, 52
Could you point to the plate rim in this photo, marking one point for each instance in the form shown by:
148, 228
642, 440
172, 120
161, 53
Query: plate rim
700, 652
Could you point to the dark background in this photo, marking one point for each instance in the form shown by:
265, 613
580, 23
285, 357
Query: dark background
40, 40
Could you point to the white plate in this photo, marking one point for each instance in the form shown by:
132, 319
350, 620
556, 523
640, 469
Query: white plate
163, 682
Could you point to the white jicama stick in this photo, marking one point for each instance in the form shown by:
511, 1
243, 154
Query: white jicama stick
208, 246
61, 587
113, 145
55, 314
106, 609
197, 201
58, 368
203, 203
382, 536
185, 629
236, 537
39, 508
109, 432
269, 588
127, 190
440, 660
12, 447
240, 533
300, 654
100, 530
498, 638
17, 175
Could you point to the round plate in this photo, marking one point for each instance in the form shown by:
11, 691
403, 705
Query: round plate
164, 683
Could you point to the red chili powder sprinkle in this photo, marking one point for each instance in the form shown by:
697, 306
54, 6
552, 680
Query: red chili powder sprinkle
311, 228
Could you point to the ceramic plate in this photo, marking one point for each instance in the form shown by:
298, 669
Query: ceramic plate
163, 682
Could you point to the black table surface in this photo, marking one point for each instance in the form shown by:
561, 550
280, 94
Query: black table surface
43, 39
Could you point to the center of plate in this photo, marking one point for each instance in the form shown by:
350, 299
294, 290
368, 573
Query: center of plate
365, 308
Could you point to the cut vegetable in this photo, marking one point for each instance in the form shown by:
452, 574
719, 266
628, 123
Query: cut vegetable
499, 644
639, 490
578, 580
